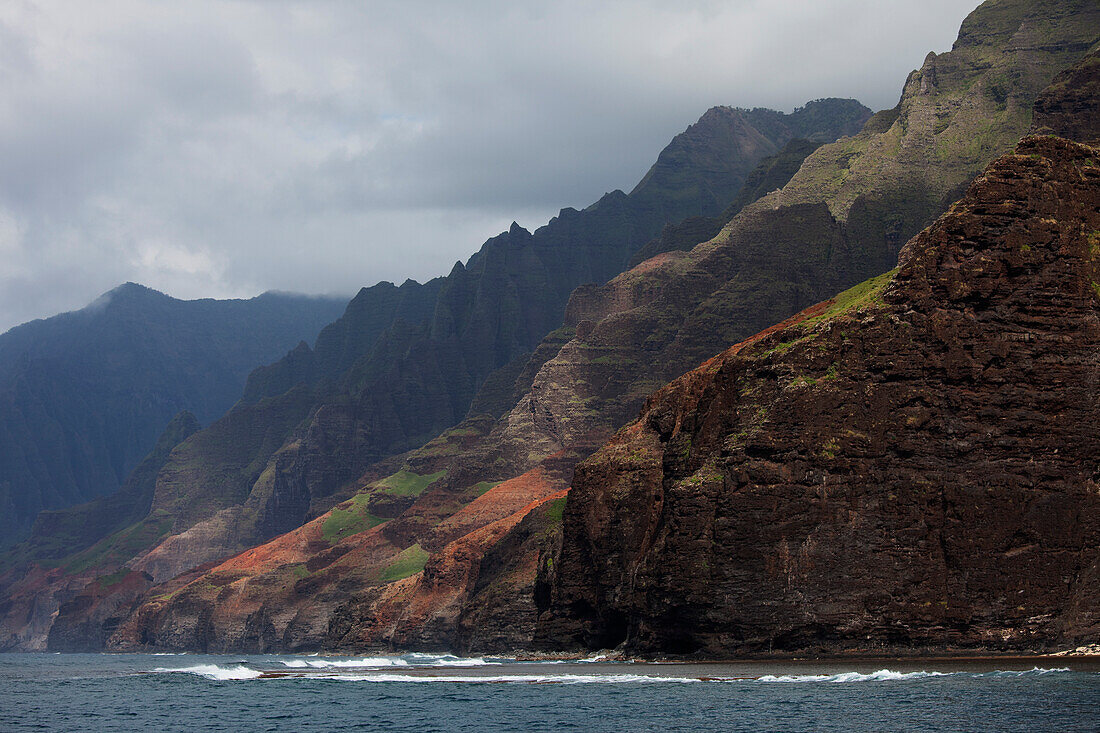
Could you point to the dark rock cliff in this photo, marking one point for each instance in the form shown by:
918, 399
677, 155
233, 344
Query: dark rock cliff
908, 466
1070, 106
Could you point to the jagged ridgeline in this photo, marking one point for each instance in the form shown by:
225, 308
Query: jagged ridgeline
404, 363
83, 395
458, 546
401, 364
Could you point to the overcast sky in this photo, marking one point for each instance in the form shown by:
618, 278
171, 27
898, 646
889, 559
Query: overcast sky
226, 148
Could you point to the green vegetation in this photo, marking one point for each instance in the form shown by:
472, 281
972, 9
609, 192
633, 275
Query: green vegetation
349, 518
555, 510
705, 475
481, 487
299, 571
449, 442
830, 448
608, 359
803, 381
780, 348
410, 561
1094, 242
865, 295
106, 581
407, 483
122, 545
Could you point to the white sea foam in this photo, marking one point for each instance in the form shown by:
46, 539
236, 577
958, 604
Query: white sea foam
566, 679
1033, 670
881, 675
408, 660
214, 672
376, 669
447, 660
372, 662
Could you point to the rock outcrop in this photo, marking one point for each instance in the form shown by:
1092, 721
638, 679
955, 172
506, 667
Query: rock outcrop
908, 466
1070, 106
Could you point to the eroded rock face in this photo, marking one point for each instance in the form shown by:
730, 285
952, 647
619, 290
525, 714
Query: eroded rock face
1070, 106
86, 621
911, 465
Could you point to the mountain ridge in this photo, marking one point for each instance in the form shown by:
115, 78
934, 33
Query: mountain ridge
418, 377
83, 395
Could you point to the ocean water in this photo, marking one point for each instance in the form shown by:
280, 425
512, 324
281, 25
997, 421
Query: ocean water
424, 692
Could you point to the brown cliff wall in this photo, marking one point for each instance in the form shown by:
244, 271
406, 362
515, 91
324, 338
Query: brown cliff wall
911, 466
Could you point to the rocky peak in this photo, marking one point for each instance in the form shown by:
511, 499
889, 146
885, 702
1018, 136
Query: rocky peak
958, 112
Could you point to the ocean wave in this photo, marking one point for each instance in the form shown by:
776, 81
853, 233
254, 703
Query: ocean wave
1033, 670
881, 675
565, 679
378, 669
407, 660
446, 660
214, 672
339, 663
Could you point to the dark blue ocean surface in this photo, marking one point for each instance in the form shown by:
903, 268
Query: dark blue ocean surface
99, 692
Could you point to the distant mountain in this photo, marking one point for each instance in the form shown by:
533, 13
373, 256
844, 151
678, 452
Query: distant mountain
771, 174
456, 544
84, 395
404, 363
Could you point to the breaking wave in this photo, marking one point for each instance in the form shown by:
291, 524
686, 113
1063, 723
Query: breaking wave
418, 668
214, 672
879, 676
885, 675
565, 679
407, 660
1033, 670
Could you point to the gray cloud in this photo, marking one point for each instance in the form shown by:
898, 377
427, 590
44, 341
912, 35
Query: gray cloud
224, 148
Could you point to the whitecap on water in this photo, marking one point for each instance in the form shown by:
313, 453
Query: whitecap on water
407, 660
1033, 670
372, 662
214, 672
879, 676
566, 679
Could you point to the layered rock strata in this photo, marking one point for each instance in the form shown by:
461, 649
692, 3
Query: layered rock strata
910, 465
